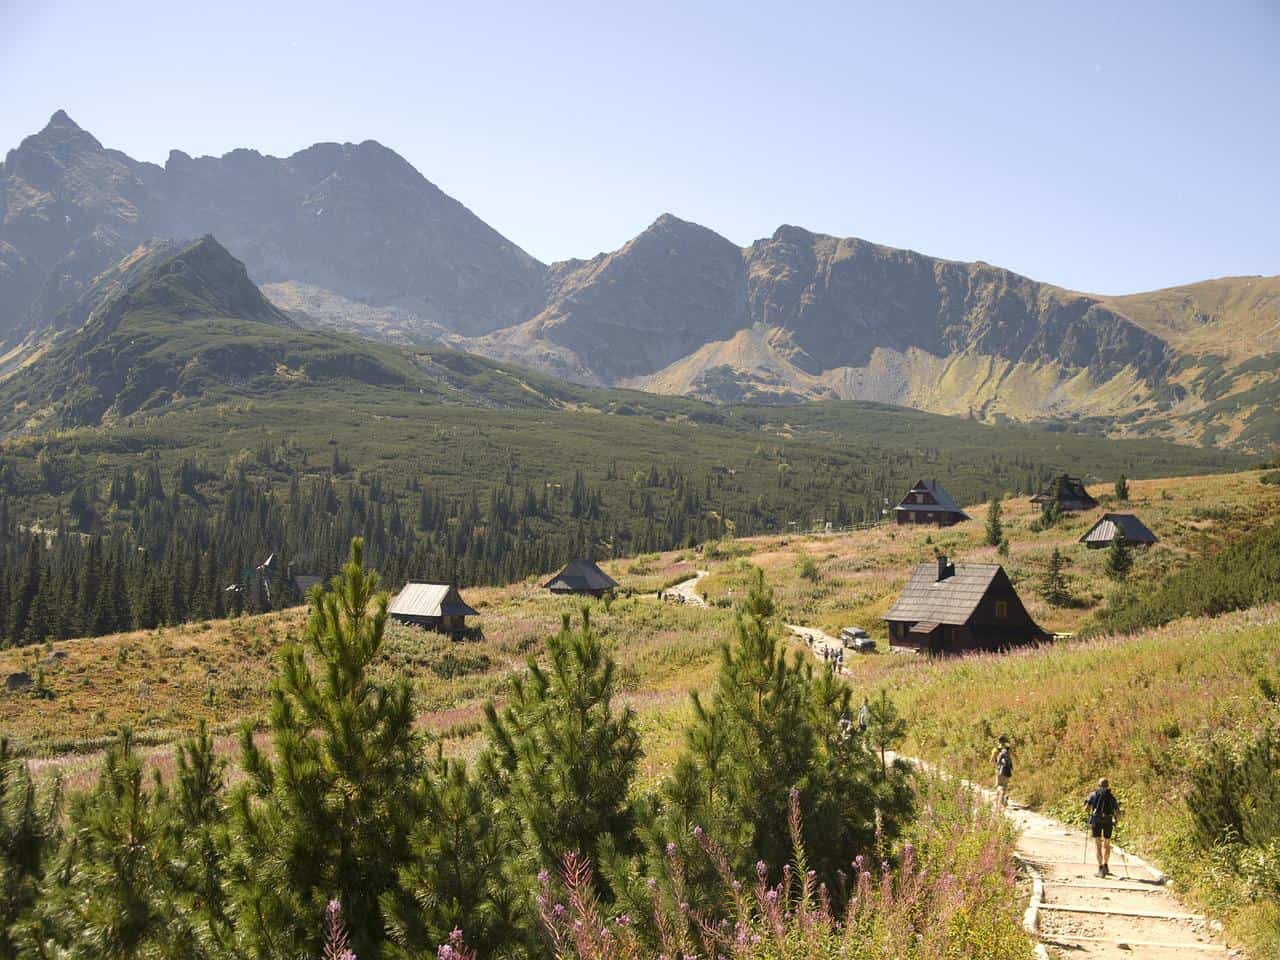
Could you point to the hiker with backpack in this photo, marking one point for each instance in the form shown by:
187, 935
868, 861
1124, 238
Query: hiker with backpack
1002, 759
1104, 811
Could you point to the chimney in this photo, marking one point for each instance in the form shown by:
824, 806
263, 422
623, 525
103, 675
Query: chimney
945, 569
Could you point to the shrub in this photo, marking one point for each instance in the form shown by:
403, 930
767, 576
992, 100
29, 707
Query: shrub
453, 665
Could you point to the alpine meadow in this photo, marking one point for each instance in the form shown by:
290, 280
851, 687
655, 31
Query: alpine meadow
376, 587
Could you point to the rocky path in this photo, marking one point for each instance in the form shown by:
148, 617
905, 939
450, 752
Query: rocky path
1074, 913
687, 590
1131, 913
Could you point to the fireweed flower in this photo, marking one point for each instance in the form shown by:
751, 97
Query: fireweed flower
697, 832
761, 869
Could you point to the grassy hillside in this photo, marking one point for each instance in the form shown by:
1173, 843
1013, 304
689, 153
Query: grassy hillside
162, 681
1143, 710
1234, 317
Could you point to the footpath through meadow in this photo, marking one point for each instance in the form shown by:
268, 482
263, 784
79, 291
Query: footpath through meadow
1074, 913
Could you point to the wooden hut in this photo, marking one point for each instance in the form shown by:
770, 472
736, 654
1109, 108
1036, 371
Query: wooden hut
1069, 492
581, 576
928, 502
952, 608
435, 606
1112, 525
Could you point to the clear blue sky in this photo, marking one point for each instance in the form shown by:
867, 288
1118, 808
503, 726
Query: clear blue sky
1109, 147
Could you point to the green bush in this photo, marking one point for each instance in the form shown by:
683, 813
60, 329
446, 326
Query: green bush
1242, 575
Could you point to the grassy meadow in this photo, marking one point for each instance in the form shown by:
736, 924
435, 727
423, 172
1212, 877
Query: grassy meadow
1140, 709
163, 682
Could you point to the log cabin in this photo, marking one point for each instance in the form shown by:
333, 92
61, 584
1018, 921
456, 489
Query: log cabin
954, 608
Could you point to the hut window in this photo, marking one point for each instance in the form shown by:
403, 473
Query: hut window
1002, 609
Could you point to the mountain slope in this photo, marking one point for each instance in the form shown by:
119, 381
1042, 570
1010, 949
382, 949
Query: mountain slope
805, 316
353, 218
173, 322
351, 237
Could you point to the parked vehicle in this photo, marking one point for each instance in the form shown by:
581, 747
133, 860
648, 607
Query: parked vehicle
850, 635
864, 645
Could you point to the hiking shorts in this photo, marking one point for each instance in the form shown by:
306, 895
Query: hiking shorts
1002, 779
1102, 828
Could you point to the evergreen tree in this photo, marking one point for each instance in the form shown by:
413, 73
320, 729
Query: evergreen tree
771, 727
995, 529
1119, 558
458, 875
885, 727
29, 836
329, 815
562, 757
110, 895
1122, 488
1054, 588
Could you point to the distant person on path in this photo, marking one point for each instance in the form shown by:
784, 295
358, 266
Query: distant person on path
1002, 760
862, 717
1104, 811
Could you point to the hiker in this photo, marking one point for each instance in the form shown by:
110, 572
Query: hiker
1002, 759
1104, 811
862, 717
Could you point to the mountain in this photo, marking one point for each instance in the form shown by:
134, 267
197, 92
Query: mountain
803, 316
353, 219
350, 237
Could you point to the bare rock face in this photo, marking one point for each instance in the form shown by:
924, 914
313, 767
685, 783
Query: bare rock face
353, 218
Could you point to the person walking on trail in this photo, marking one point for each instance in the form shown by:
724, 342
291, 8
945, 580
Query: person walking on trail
1002, 760
1104, 811
863, 716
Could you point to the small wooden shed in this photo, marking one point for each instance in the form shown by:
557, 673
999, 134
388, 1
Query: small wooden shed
953, 608
928, 502
1069, 492
435, 606
581, 576
1112, 525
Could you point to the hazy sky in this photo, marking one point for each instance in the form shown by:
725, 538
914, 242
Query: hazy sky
1108, 147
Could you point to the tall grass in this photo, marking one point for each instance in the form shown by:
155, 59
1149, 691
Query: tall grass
948, 893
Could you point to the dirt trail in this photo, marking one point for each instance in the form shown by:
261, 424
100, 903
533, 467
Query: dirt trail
687, 590
1074, 913
1131, 913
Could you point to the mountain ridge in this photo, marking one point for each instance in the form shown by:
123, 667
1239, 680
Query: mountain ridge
352, 237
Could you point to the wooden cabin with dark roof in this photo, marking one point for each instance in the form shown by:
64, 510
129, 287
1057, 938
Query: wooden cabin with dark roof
954, 608
581, 576
1069, 493
433, 606
1112, 525
928, 502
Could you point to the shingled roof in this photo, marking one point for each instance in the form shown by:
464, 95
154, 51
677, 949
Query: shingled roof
1066, 490
1104, 531
951, 600
580, 576
944, 502
429, 600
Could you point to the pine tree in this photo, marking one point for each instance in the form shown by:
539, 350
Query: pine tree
885, 727
29, 837
1122, 488
457, 875
329, 815
563, 757
772, 727
995, 529
1119, 558
109, 896
1054, 588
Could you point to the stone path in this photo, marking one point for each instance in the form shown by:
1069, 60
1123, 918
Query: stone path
687, 590
819, 641
1132, 913
1076, 914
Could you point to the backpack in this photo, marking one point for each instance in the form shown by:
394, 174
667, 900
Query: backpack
1105, 805
1004, 763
